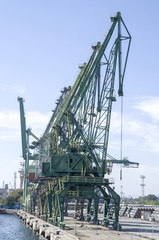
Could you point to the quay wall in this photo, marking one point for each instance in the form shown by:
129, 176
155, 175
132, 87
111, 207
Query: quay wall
43, 228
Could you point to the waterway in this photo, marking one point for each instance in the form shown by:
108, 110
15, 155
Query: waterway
11, 228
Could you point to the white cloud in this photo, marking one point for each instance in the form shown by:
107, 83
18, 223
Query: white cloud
138, 132
150, 106
10, 123
148, 169
9, 119
37, 121
145, 135
9, 135
13, 89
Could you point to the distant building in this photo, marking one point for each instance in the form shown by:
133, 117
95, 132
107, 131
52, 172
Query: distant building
4, 192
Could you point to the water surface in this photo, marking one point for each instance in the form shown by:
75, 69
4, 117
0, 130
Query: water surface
11, 228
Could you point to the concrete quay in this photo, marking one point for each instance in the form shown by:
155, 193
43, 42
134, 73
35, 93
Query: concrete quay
132, 229
43, 228
11, 211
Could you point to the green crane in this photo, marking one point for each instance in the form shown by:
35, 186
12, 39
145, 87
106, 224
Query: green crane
73, 150
86, 112
77, 134
25, 134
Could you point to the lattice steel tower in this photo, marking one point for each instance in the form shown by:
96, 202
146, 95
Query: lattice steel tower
142, 185
15, 177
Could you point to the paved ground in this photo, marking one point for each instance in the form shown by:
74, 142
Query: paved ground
140, 227
132, 229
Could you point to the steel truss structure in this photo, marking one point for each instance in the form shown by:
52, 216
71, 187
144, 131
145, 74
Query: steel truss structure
72, 153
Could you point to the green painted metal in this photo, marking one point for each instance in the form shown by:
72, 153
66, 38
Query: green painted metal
79, 128
73, 151
24, 146
86, 112
23, 127
25, 134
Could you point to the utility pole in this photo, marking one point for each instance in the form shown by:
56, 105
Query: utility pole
121, 193
142, 185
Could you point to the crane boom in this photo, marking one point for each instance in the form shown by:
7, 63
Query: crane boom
83, 121
23, 126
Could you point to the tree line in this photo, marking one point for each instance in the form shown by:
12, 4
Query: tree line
14, 197
150, 199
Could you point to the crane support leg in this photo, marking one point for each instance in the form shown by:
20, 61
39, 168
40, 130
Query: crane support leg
61, 204
50, 204
46, 208
88, 217
61, 196
96, 203
66, 207
105, 221
82, 207
116, 199
76, 208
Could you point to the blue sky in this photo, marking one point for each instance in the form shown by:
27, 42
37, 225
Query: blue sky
42, 44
